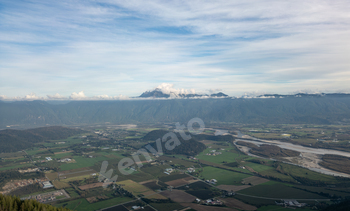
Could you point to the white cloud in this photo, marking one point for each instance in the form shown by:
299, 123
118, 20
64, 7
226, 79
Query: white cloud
56, 97
3, 97
78, 96
167, 88
32, 96
214, 90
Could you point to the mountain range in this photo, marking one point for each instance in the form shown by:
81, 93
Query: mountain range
328, 109
158, 93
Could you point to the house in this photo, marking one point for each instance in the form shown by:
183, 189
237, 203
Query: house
190, 170
48, 158
169, 170
65, 160
47, 184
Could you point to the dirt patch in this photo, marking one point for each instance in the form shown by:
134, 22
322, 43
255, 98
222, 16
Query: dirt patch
73, 170
232, 202
206, 142
155, 196
52, 176
89, 186
178, 196
60, 185
250, 169
96, 199
144, 182
254, 180
199, 207
155, 185
233, 188
70, 174
179, 182
57, 153
91, 199
112, 156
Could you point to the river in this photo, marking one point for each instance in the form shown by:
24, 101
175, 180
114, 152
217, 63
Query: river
309, 157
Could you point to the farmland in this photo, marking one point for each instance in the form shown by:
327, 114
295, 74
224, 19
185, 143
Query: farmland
279, 191
257, 182
223, 177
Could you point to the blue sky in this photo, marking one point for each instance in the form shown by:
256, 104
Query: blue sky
114, 49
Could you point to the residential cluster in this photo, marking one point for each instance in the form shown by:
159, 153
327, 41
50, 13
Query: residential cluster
290, 203
168, 171
29, 170
211, 202
214, 153
51, 196
66, 160
191, 170
13, 185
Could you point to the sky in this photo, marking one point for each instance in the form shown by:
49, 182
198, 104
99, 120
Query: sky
111, 49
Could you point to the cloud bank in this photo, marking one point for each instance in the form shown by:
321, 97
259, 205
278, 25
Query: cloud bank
237, 46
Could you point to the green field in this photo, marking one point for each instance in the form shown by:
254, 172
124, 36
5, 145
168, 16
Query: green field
137, 176
68, 154
224, 177
167, 206
296, 171
278, 208
279, 191
72, 193
274, 173
81, 162
15, 166
82, 204
155, 171
257, 167
228, 156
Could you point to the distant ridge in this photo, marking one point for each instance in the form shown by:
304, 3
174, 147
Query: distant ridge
158, 93
304, 95
327, 109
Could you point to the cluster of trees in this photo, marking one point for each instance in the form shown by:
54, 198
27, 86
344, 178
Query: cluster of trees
257, 161
15, 140
225, 138
155, 134
233, 164
148, 201
336, 162
12, 203
267, 150
342, 206
120, 191
187, 147
29, 189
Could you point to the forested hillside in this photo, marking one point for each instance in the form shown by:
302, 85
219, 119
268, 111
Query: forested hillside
15, 140
187, 147
12, 203
313, 110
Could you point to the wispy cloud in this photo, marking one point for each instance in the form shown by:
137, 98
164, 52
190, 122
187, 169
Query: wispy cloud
109, 48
